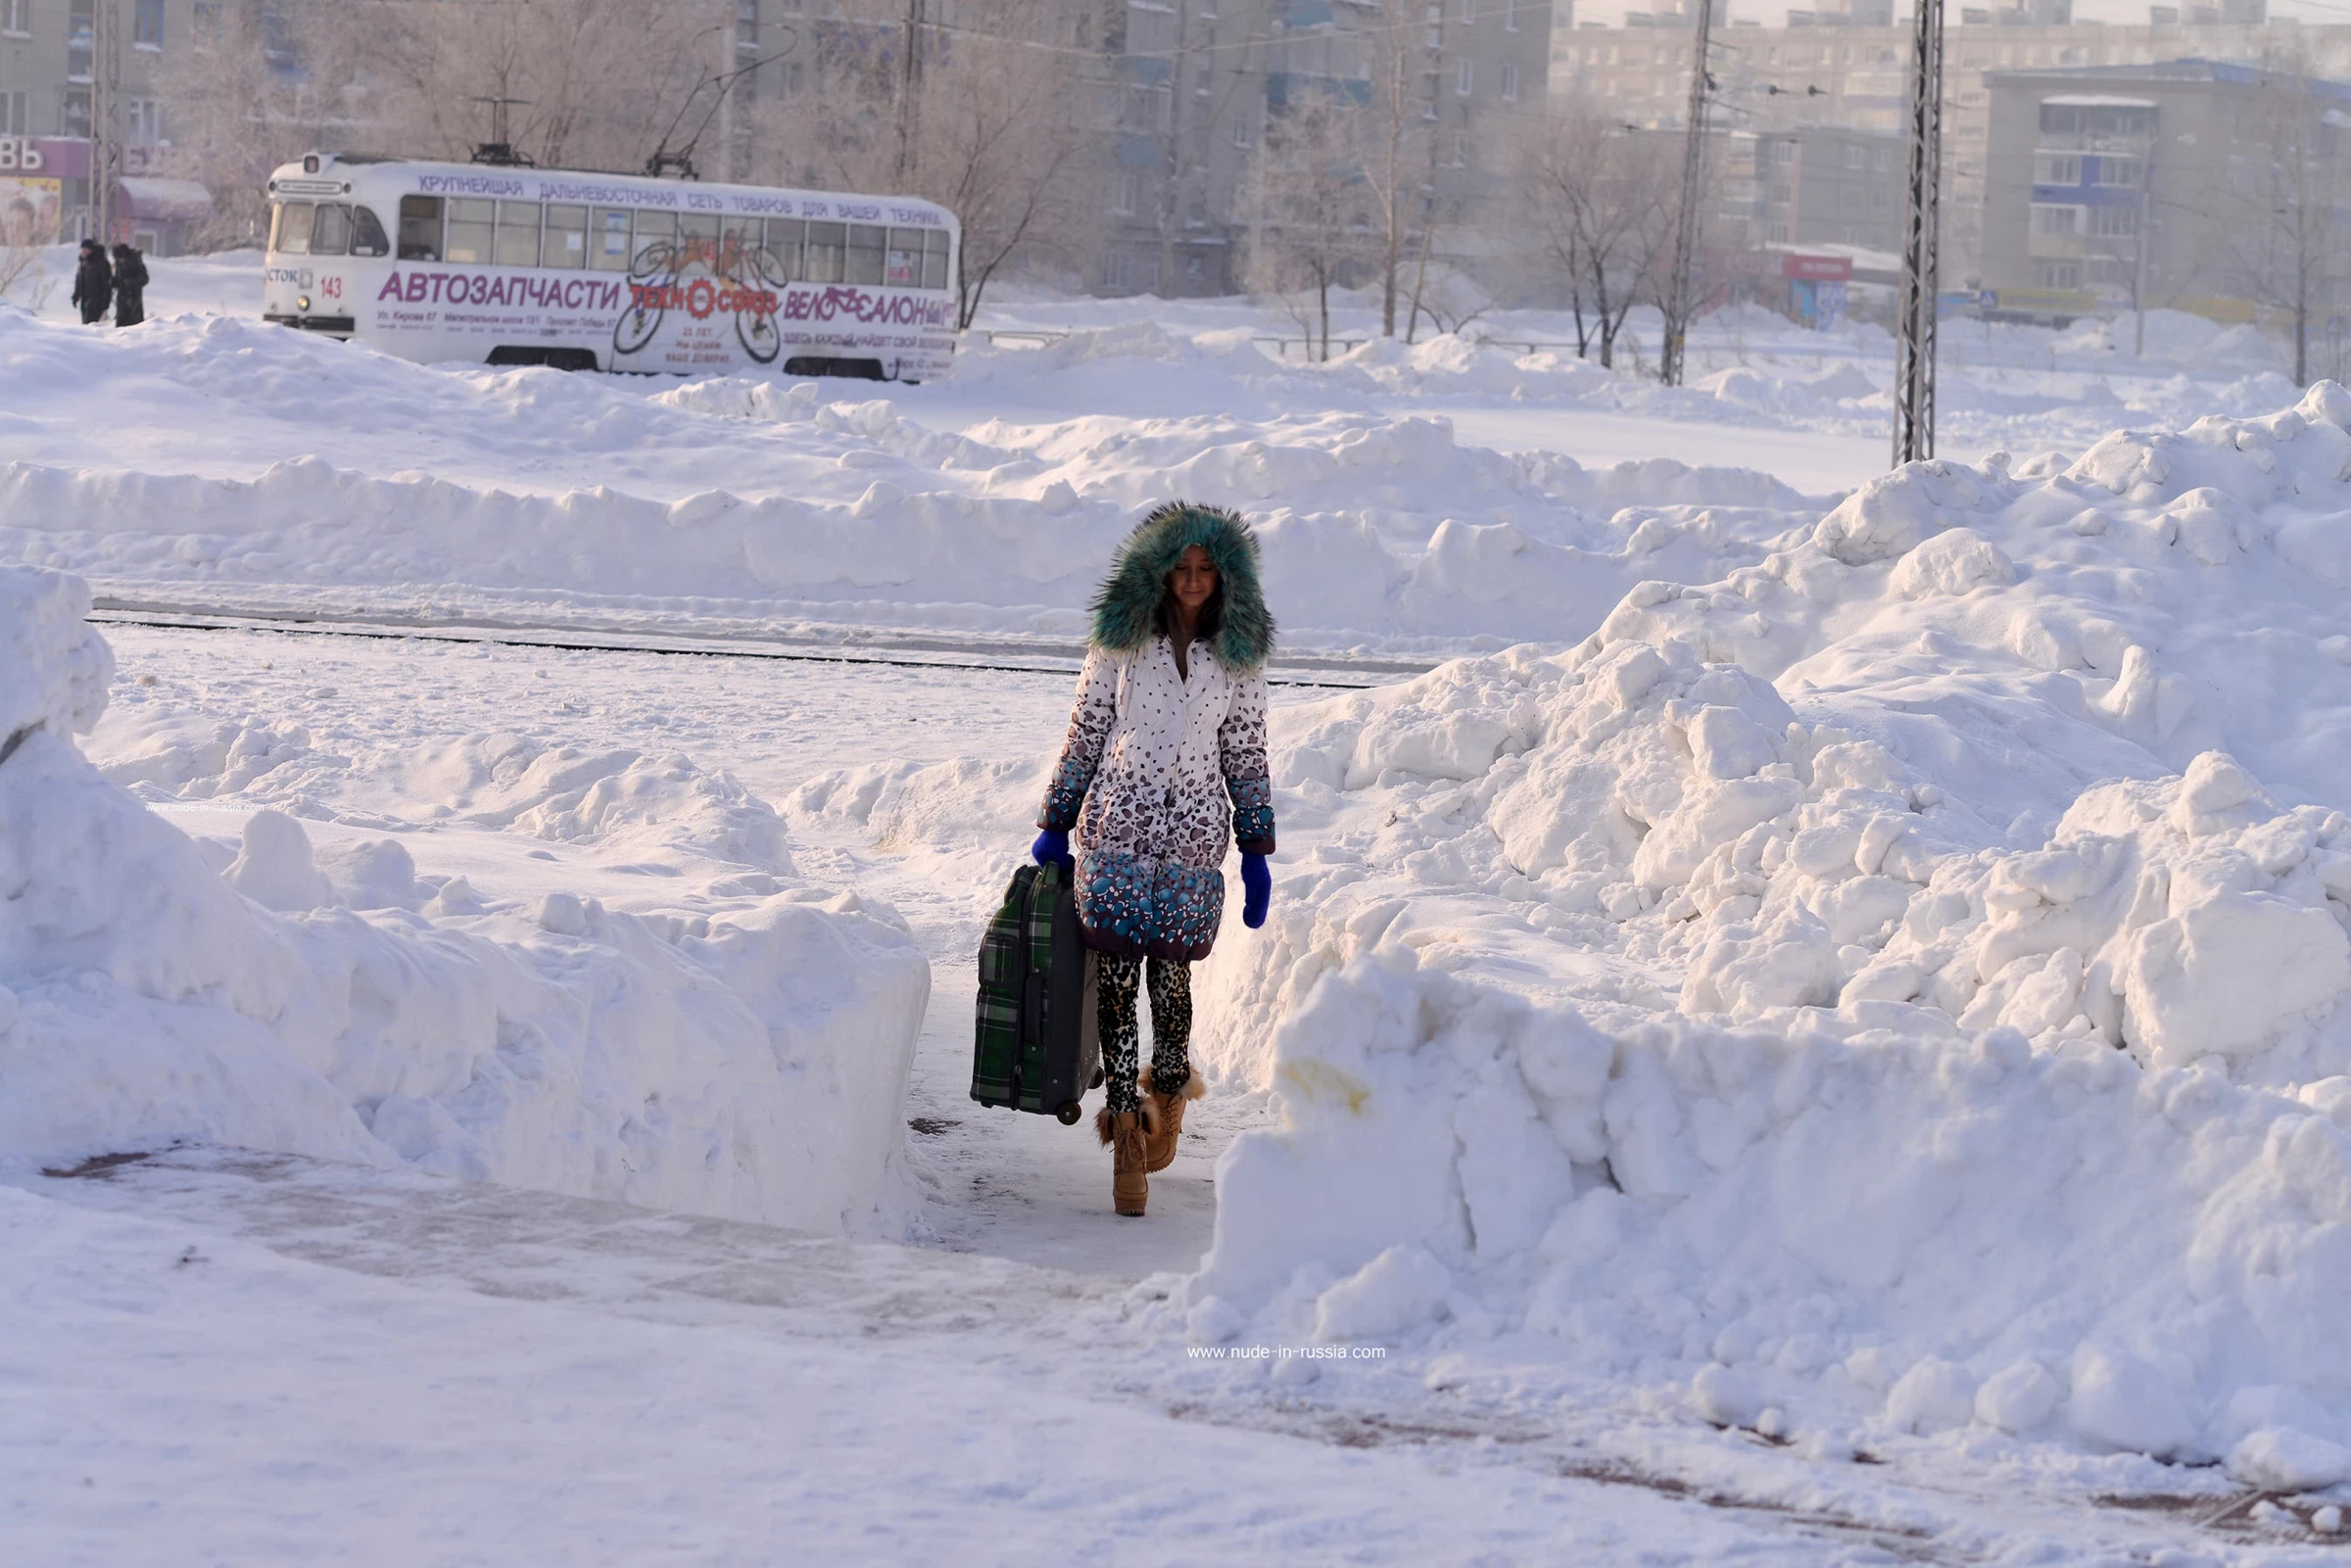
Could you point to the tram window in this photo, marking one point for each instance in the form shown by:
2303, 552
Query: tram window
292, 235
784, 237
471, 219
330, 231
367, 233
736, 236
657, 229
826, 242
518, 234
611, 249
903, 269
935, 259
421, 228
566, 240
698, 239
867, 241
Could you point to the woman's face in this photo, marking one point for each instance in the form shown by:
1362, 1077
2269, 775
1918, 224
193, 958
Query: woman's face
1194, 578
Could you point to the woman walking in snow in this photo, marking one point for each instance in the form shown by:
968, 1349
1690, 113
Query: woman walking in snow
1169, 725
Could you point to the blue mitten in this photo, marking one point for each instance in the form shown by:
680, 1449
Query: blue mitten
1051, 847
1257, 883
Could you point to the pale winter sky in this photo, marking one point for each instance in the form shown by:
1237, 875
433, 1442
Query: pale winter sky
1771, 12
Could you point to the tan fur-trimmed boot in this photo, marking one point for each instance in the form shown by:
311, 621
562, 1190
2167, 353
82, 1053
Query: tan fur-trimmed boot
1124, 1134
1164, 1117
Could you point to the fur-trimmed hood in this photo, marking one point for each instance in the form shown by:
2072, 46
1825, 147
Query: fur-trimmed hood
1125, 606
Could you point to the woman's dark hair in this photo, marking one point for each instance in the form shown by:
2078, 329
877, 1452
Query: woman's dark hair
1169, 614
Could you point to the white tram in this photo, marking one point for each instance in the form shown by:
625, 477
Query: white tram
438, 261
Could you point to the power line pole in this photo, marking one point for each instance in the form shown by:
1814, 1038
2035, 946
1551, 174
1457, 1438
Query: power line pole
1914, 331
910, 78
1686, 221
106, 110
2138, 267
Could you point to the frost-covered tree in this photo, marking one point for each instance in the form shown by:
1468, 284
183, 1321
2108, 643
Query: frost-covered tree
1307, 210
1600, 201
985, 117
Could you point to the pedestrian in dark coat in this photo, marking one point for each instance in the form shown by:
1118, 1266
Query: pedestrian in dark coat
93, 283
130, 286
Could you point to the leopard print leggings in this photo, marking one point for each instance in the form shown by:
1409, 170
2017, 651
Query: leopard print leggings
1121, 1043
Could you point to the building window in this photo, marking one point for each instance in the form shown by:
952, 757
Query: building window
12, 107
2049, 219
2113, 223
1852, 156
2120, 171
1510, 15
2057, 169
1465, 78
1241, 134
143, 122
1436, 23
147, 25
16, 18
2060, 275
1126, 192
1469, 12
1509, 81
81, 26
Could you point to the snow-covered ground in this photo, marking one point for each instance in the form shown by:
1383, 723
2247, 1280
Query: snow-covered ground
1819, 1039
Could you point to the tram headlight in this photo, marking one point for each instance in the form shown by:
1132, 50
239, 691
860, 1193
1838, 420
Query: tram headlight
302, 301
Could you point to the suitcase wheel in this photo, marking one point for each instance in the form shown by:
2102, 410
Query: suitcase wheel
1097, 1084
1068, 1112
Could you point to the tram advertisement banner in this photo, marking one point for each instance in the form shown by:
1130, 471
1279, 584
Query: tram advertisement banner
682, 306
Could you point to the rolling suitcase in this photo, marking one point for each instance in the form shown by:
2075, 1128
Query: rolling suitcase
1035, 1045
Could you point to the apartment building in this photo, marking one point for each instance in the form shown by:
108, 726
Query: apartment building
1194, 85
2193, 184
48, 73
1849, 66
1815, 186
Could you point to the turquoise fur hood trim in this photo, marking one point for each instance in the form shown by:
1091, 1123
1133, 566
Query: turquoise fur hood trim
1123, 618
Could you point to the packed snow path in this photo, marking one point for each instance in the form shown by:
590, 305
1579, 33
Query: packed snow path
1019, 1186
465, 1371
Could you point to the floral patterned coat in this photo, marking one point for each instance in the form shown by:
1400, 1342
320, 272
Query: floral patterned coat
1145, 779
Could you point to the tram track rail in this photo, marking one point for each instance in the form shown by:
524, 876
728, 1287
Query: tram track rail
876, 646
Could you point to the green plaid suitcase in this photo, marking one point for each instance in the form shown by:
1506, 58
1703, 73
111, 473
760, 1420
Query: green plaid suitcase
1035, 1043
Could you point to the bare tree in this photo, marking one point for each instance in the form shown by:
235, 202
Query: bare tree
995, 137
1307, 208
2281, 227
585, 83
1398, 147
241, 102
1601, 200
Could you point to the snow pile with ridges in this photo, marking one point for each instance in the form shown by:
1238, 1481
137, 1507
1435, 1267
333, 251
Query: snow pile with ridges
762, 497
1898, 983
750, 1063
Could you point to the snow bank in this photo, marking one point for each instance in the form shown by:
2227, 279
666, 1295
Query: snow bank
1905, 975
750, 1064
324, 467
1856, 1215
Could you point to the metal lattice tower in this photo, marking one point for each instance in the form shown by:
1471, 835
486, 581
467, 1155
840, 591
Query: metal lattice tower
106, 114
1914, 329
1686, 221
